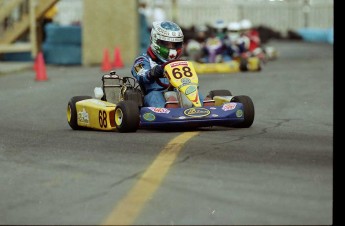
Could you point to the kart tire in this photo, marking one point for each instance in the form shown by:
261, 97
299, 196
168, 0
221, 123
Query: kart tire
243, 64
72, 115
260, 66
127, 116
248, 111
219, 92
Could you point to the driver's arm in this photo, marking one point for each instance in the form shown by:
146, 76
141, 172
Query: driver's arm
141, 70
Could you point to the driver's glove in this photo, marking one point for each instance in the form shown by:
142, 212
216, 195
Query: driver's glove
156, 72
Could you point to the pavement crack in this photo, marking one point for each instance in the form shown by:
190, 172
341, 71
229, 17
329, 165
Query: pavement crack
133, 176
263, 131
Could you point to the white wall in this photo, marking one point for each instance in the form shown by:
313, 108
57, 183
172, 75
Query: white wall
280, 15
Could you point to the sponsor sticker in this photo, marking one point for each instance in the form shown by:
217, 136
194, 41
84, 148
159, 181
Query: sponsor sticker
138, 67
190, 90
239, 113
159, 110
83, 116
185, 80
197, 112
149, 117
179, 63
229, 106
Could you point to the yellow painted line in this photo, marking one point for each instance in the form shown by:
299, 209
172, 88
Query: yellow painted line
131, 205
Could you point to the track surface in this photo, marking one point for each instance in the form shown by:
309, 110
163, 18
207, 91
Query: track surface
279, 171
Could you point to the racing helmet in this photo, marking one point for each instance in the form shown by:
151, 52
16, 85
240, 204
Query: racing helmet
234, 29
234, 26
166, 40
219, 25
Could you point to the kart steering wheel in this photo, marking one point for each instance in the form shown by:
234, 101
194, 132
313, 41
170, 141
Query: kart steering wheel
159, 82
162, 84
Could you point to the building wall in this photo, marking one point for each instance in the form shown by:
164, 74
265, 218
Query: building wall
108, 24
279, 15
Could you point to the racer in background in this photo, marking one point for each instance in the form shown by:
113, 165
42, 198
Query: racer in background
254, 44
235, 42
196, 47
166, 45
215, 46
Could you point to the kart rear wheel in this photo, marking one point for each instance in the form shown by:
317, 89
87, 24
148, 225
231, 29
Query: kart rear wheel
219, 92
127, 116
248, 111
243, 64
72, 115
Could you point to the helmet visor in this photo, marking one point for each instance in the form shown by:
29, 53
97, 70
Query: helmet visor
169, 45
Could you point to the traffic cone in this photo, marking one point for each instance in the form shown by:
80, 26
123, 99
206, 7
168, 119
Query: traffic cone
106, 65
117, 59
40, 68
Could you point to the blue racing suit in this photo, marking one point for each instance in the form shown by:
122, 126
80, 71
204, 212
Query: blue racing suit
153, 92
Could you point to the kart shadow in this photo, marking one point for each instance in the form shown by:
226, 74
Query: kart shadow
189, 129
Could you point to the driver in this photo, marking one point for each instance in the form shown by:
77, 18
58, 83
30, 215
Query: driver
166, 44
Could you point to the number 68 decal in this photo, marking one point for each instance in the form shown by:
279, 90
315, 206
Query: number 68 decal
176, 72
102, 118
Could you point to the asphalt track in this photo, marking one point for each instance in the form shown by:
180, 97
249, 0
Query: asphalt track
279, 171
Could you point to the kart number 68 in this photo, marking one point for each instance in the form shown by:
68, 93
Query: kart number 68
102, 118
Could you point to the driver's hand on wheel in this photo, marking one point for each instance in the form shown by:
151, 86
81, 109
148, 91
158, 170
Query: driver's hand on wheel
156, 72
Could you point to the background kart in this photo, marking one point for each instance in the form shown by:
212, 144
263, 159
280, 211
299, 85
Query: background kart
236, 65
118, 104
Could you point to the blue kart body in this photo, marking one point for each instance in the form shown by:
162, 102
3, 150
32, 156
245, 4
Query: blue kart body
229, 114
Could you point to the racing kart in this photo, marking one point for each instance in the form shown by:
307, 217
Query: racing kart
118, 104
216, 63
233, 66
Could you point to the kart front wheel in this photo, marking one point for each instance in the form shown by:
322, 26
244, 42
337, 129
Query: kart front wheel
219, 92
248, 111
127, 116
72, 115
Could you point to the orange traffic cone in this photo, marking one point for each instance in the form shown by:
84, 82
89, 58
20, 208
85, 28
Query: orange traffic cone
40, 68
117, 59
106, 65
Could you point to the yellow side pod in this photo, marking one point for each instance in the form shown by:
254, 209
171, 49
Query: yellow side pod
96, 114
226, 67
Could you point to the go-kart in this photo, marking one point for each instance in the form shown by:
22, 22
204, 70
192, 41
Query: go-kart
235, 65
215, 62
118, 104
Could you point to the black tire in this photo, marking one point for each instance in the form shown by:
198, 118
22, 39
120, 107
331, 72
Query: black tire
243, 64
134, 95
72, 115
248, 111
219, 92
260, 65
127, 116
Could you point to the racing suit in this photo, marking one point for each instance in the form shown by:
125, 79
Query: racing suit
153, 92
